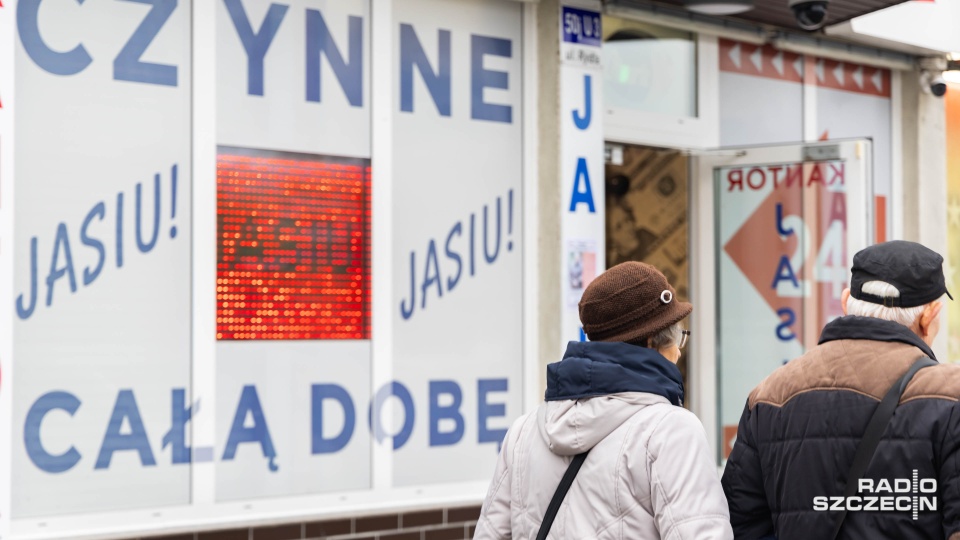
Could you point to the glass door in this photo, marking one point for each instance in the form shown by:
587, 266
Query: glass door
775, 230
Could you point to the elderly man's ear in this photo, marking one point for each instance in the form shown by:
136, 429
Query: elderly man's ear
929, 321
844, 296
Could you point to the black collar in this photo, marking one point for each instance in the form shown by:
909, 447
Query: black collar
854, 327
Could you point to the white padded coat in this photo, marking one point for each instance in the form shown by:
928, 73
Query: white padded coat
649, 473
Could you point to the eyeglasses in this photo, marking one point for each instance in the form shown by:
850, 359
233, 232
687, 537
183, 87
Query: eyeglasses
684, 338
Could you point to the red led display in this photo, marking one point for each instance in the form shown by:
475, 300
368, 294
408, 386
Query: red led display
293, 246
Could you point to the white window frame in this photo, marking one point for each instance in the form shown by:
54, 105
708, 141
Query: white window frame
664, 130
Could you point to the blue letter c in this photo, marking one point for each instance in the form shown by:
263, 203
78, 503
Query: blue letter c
31, 432
59, 63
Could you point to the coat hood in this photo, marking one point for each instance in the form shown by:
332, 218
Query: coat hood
600, 368
620, 378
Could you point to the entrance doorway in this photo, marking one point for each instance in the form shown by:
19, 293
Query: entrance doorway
759, 239
647, 207
774, 230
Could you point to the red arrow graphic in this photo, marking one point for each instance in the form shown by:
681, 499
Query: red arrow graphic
758, 248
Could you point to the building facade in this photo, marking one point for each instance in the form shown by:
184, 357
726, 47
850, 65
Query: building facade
291, 269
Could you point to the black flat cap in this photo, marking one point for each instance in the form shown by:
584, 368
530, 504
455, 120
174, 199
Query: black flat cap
916, 271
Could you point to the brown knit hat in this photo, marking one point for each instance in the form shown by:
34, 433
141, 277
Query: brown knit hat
630, 302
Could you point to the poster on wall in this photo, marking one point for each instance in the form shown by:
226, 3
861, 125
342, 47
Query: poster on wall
783, 260
102, 280
457, 200
582, 204
581, 268
293, 248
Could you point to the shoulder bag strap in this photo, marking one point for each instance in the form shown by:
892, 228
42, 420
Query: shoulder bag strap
875, 428
561, 492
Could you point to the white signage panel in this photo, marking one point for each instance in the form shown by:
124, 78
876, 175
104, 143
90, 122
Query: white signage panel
457, 238
103, 410
294, 76
582, 185
293, 260
293, 416
101, 257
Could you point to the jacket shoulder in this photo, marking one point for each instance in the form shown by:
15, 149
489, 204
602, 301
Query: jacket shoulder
513, 441
672, 425
935, 382
865, 367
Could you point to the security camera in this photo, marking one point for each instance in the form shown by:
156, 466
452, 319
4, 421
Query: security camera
933, 83
810, 14
938, 86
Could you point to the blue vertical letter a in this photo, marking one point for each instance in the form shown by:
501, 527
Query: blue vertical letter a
584, 194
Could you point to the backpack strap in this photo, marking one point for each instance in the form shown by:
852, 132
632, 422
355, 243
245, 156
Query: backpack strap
561, 492
874, 432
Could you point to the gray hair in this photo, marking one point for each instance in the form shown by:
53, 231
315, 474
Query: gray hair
902, 315
670, 335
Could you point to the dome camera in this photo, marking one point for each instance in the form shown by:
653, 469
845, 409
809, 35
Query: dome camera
938, 86
810, 14
933, 83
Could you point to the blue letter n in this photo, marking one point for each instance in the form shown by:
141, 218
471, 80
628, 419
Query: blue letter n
438, 83
349, 74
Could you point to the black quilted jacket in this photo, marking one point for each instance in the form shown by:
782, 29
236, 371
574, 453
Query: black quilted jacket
800, 430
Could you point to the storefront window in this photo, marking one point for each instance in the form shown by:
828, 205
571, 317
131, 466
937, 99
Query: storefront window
649, 68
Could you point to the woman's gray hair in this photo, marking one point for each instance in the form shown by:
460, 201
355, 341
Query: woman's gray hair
670, 335
905, 316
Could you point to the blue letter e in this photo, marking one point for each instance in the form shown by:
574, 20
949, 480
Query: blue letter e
486, 410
